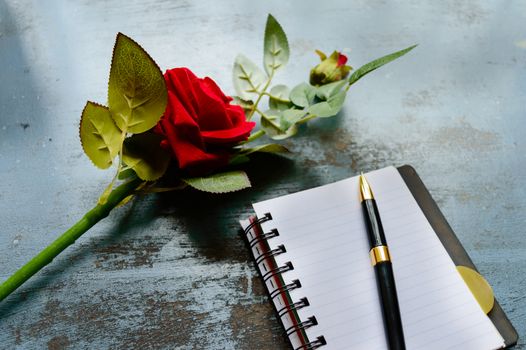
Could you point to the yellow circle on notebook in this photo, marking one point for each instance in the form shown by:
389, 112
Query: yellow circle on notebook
479, 287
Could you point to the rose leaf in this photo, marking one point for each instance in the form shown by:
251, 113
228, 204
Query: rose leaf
99, 135
248, 78
328, 108
143, 154
303, 95
279, 98
137, 94
220, 183
276, 46
369, 67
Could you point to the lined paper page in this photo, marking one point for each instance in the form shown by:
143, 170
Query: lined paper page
324, 233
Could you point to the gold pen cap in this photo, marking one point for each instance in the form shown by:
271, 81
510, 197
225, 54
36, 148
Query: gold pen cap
365, 189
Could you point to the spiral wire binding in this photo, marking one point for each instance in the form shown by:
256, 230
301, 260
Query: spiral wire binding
265, 236
309, 322
295, 284
319, 342
265, 217
303, 302
277, 251
278, 271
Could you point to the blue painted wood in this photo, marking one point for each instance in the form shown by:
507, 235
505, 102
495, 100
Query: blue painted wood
171, 271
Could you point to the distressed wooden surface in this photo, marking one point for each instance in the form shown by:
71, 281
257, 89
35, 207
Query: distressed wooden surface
171, 271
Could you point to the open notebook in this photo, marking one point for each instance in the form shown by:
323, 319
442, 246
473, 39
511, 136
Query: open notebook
312, 252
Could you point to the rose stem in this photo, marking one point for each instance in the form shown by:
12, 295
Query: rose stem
99, 212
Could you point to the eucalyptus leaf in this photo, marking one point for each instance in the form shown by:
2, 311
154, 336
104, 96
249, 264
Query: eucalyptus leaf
279, 97
369, 67
100, 137
303, 95
220, 183
328, 108
270, 121
290, 117
143, 153
326, 91
247, 105
137, 94
276, 46
273, 128
248, 78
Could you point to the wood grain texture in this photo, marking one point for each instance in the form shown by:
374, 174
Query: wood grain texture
172, 271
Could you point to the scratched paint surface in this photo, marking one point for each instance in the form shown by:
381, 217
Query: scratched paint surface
171, 271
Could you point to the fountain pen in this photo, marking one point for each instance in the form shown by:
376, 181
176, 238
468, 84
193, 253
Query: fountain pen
381, 261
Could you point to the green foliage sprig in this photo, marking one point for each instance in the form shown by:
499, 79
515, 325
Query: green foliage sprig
290, 107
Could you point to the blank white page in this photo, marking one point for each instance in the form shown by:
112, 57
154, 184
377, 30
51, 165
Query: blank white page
324, 233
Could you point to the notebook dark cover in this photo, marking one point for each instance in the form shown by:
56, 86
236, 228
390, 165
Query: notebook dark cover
452, 244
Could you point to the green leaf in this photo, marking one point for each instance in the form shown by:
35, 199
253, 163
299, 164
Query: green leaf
248, 79
247, 105
220, 183
100, 137
143, 153
326, 91
136, 91
303, 95
266, 148
291, 117
369, 67
328, 108
274, 127
279, 99
242, 156
276, 47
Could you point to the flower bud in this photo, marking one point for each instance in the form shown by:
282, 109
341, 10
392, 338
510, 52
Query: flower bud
331, 69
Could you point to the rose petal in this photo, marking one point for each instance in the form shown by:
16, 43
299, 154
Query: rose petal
228, 136
236, 113
184, 140
199, 124
179, 82
342, 59
212, 113
215, 90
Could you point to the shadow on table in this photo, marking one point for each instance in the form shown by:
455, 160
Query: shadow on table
211, 221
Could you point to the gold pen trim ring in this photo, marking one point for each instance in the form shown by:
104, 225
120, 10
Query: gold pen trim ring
379, 254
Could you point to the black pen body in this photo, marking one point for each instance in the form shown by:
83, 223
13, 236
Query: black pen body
381, 261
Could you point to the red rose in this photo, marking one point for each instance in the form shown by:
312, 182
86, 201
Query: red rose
199, 124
